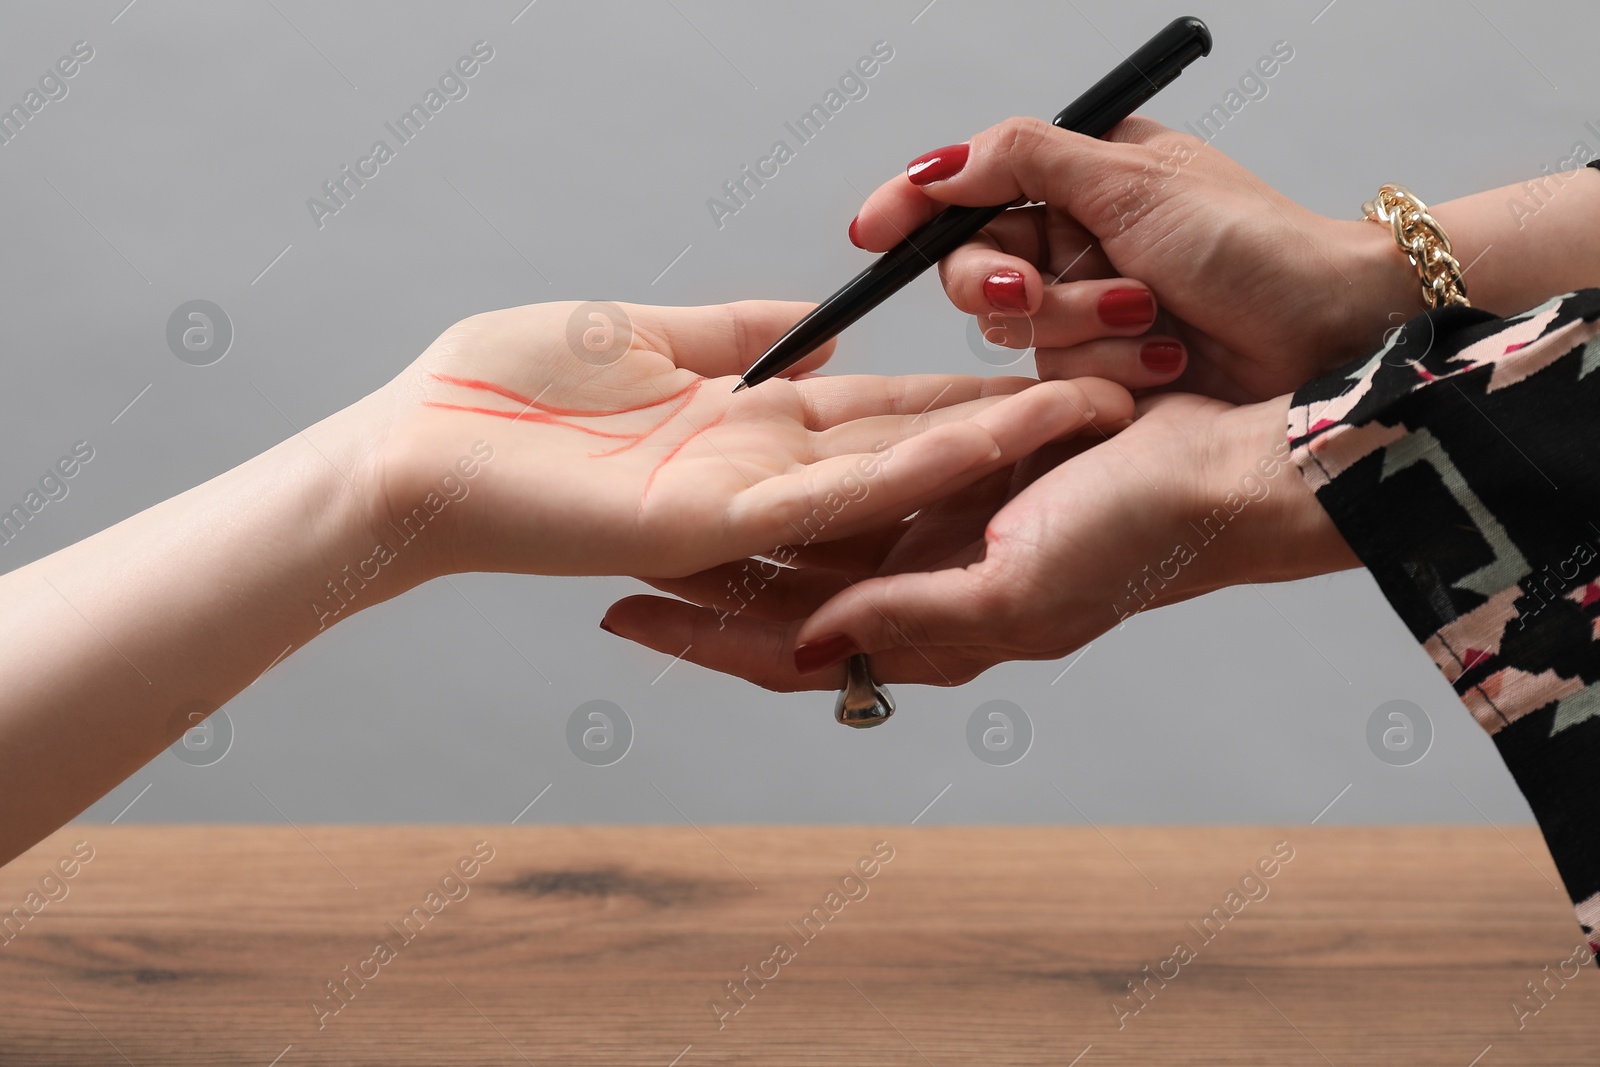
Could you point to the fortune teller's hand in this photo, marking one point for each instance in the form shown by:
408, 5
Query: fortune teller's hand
606, 439
1029, 563
1170, 261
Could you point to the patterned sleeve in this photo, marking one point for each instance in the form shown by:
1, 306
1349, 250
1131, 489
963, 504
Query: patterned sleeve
1462, 464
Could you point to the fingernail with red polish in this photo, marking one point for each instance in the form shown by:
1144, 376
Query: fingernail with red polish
855, 240
813, 656
1127, 307
1162, 357
1006, 290
606, 626
938, 165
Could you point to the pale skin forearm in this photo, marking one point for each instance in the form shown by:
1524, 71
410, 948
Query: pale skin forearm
103, 643
1528, 242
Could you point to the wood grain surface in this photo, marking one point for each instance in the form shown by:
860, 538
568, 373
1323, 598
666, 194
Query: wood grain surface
610, 945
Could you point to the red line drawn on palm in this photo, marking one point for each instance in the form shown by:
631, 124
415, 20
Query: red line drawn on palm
547, 414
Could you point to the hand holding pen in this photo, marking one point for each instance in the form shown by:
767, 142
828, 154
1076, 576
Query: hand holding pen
1152, 66
1149, 258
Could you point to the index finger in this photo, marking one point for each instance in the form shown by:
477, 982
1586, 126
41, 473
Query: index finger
833, 401
848, 493
1022, 158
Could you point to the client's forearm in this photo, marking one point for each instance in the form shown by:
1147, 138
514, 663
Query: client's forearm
108, 646
1520, 245
1527, 242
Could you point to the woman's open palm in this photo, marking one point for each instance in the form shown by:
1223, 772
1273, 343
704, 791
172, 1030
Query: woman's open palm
606, 438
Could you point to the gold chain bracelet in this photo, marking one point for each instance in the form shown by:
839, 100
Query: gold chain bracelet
1423, 241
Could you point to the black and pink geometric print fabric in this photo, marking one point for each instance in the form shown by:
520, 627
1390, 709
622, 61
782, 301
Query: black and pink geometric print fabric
1462, 464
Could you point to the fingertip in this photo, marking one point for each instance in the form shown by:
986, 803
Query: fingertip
823, 652
1007, 291
1123, 362
938, 165
1127, 308
865, 230
830, 623
760, 323
621, 617
1111, 400
1163, 357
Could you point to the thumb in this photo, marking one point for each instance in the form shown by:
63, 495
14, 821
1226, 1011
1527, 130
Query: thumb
717, 339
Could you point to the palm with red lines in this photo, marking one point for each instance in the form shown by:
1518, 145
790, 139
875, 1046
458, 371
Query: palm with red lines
643, 461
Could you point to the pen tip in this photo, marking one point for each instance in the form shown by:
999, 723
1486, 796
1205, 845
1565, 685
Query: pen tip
742, 385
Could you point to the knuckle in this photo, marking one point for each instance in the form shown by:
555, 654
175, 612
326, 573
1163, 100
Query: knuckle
1072, 394
774, 669
1138, 130
1017, 140
463, 329
1121, 188
1139, 157
738, 325
771, 677
1173, 149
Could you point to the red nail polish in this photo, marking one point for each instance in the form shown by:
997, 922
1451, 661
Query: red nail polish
1162, 357
607, 628
938, 165
813, 656
1127, 307
855, 240
1006, 290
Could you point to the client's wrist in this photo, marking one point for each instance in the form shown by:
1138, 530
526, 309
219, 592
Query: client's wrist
377, 532
1379, 291
1279, 530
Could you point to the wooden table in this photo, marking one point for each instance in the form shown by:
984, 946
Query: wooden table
582, 945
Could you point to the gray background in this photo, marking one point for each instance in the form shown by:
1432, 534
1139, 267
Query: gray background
178, 167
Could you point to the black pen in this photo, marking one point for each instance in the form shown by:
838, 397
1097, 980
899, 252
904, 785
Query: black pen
1113, 98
